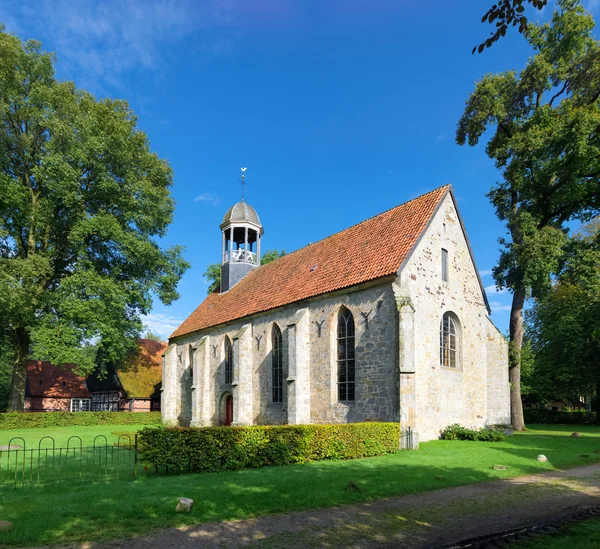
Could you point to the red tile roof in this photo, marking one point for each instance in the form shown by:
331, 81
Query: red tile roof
49, 381
372, 249
142, 371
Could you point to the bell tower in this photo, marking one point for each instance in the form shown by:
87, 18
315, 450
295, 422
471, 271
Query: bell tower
240, 243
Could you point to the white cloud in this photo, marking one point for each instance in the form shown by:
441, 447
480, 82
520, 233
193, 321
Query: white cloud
485, 272
208, 198
161, 325
97, 42
497, 307
492, 289
441, 137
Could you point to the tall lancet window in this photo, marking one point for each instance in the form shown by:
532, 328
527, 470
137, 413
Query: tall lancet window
345, 355
228, 361
277, 364
192, 363
448, 341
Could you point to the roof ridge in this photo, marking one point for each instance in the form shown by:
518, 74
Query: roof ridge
448, 185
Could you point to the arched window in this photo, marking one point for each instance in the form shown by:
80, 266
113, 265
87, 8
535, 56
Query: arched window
277, 364
448, 341
345, 355
192, 363
228, 361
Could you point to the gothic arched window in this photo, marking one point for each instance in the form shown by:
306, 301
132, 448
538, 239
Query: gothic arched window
448, 341
277, 364
228, 361
345, 355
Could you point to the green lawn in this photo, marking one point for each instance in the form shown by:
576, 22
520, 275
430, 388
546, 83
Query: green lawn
61, 435
581, 536
67, 513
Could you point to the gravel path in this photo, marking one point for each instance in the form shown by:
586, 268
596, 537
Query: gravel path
439, 518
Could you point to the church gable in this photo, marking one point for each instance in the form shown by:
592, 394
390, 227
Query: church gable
364, 252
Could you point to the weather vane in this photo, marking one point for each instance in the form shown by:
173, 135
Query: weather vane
243, 181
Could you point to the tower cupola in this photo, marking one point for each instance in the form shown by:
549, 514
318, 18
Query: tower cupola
241, 233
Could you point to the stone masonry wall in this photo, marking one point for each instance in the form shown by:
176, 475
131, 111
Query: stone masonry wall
449, 395
498, 386
315, 366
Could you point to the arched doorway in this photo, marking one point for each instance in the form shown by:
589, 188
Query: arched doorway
228, 410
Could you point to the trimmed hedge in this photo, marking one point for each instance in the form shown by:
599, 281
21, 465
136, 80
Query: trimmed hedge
31, 420
458, 432
542, 415
230, 448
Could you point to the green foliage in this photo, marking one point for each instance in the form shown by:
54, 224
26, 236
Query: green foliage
83, 204
564, 324
213, 271
544, 416
546, 142
271, 255
458, 432
229, 448
213, 277
152, 336
32, 420
504, 14
5, 374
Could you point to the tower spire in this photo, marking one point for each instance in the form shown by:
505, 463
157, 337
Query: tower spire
243, 181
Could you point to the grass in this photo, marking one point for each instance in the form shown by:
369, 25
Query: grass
581, 536
61, 435
78, 452
117, 509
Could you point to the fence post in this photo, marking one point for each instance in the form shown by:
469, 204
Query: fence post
135, 456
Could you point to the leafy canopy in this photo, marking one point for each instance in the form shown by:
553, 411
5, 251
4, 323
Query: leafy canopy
545, 122
564, 326
83, 202
504, 14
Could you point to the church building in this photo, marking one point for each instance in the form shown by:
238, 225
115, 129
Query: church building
385, 321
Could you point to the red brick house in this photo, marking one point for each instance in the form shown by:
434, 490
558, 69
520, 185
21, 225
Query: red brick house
52, 389
132, 387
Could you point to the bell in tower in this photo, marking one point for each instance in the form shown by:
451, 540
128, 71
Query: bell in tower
242, 231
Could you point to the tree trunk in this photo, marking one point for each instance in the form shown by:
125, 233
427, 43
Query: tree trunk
514, 372
597, 403
16, 400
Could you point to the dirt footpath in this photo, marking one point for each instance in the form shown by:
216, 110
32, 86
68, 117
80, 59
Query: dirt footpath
426, 520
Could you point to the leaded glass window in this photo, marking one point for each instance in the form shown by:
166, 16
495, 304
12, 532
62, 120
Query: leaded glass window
345, 356
448, 342
277, 364
228, 361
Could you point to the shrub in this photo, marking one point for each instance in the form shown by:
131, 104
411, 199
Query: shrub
228, 448
542, 415
458, 432
31, 420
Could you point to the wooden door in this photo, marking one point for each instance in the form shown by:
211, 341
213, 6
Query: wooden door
228, 410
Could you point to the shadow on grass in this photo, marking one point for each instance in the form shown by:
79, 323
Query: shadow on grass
120, 509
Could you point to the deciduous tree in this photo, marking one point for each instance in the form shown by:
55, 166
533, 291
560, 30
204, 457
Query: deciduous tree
83, 200
545, 124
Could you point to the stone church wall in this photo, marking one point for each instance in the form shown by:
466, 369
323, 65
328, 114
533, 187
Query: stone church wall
498, 386
314, 353
443, 396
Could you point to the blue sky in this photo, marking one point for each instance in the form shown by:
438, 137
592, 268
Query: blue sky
341, 109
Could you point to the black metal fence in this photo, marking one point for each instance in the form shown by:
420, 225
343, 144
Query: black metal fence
47, 464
